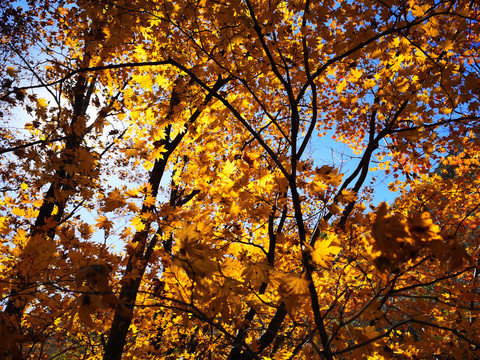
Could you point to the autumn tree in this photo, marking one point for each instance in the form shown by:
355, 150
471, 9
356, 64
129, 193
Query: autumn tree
166, 201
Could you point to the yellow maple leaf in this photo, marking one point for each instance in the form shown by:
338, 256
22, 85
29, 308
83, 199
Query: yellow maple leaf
256, 273
144, 80
132, 192
292, 285
334, 209
234, 208
12, 72
138, 223
229, 168
356, 73
324, 250
341, 86
4, 225
42, 102
158, 152
18, 211
148, 165
150, 200
104, 223
347, 196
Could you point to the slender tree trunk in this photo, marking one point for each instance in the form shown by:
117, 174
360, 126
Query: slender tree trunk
32, 263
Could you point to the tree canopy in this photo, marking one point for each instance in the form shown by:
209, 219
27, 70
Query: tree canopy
163, 198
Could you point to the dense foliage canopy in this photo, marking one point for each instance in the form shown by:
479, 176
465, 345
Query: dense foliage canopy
166, 192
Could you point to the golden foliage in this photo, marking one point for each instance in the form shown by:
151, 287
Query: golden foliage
202, 179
